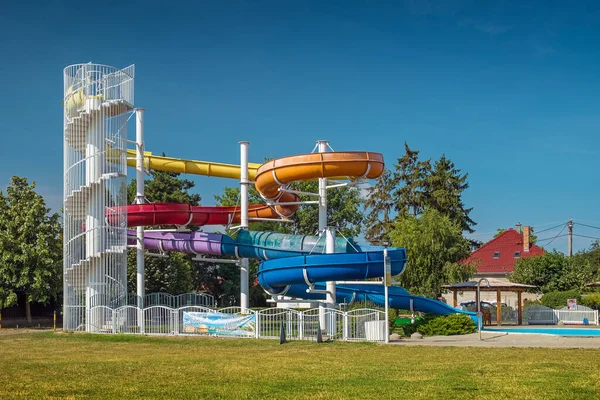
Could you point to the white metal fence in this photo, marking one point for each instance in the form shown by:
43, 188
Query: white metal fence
542, 315
577, 315
356, 325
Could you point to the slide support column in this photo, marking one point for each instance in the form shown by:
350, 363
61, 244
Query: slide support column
244, 263
139, 199
386, 296
94, 217
329, 235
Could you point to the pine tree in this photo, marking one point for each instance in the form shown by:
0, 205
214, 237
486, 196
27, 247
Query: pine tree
444, 186
379, 205
411, 178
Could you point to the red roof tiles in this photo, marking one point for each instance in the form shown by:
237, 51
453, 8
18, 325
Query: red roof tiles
509, 242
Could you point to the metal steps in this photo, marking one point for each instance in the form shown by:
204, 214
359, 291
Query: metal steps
76, 129
76, 274
76, 202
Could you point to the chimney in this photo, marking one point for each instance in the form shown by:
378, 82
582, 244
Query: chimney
518, 227
526, 238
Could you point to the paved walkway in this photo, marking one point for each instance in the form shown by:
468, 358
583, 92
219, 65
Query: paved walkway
500, 339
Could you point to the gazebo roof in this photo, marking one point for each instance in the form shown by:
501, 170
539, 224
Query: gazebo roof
495, 284
593, 284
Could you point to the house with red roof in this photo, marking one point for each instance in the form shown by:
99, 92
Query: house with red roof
497, 258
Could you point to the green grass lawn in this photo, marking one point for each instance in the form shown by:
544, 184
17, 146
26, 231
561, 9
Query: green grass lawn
38, 365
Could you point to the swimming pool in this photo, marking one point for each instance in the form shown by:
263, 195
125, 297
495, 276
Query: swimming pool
551, 331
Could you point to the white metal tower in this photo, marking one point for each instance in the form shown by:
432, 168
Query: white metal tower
97, 99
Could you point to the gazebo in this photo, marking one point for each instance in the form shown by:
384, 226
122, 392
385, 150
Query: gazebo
496, 285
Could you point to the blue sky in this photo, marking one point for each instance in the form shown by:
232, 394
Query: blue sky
507, 90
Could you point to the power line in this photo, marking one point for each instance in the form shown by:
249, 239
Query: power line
561, 231
550, 238
589, 226
548, 229
588, 237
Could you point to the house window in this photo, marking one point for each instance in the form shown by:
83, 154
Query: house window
517, 254
496, 254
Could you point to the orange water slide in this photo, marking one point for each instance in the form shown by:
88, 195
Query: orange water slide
280, 172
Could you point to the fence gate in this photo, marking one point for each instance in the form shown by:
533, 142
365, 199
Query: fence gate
360, 324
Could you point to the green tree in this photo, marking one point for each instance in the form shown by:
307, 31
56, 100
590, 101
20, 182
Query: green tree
554, 271
379, 206
444, 188
231, 197
592, 255
411, 179
30, 247
166, 187
434, 245
415, 186
223, 282
171, 274
344, 207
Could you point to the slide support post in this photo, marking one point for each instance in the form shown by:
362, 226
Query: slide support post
244, 262
329, 233
386, 283
139, 199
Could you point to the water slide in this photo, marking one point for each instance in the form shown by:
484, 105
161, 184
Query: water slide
289, 262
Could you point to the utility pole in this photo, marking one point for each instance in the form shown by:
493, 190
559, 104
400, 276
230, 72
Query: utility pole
570, 226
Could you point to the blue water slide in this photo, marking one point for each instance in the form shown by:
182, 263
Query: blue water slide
272, 245
275, 275
291, 262
398, 297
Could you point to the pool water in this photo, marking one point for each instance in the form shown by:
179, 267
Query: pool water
551, 331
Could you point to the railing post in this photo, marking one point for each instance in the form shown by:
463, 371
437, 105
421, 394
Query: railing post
257, 325
114, 321
175, 321
289, 325
301, 325
345, 325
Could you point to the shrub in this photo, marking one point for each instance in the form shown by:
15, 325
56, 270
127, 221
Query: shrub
529, 303
591, 300
558, 300
445, 325
409, 329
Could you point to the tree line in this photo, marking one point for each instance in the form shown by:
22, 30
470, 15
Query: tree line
417, 204
556, 272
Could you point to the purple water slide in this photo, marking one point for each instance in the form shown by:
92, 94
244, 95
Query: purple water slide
190, 243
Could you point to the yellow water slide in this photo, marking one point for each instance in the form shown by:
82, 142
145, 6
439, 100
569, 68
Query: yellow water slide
206, 168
